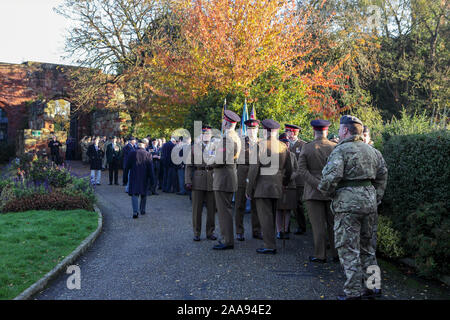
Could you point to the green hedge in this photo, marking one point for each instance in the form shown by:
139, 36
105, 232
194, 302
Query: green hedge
417, 198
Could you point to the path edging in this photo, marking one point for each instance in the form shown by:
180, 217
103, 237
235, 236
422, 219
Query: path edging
42, 283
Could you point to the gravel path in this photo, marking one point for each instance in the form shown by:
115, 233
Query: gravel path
154, 257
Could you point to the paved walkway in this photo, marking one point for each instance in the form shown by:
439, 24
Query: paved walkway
154, 257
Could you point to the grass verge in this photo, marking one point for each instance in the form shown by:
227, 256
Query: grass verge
34, 242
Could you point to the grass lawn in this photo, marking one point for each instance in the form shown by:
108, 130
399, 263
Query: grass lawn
34, 242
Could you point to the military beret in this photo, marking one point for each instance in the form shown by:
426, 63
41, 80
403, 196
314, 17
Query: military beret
252, 123
230, 116
206, 128
350, 119
320, 125
291, 127
270, 124
131, 138
283, 137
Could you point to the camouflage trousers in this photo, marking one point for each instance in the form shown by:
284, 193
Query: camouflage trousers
354, 241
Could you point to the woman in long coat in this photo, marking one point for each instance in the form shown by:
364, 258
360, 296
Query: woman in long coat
140, 165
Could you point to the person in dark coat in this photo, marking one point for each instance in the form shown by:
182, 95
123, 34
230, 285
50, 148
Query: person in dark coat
54, 146
113, 153
156, 156
169, 180
141, 176
70, 149
129, 147
95, 155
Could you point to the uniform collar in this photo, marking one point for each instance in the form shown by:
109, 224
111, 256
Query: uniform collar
353, 138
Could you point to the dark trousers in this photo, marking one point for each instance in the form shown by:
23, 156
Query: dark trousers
141, 206
156, 170
55, 158
113, 167
171, 179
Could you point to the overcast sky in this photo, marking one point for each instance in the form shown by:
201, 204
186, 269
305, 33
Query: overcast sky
30, 30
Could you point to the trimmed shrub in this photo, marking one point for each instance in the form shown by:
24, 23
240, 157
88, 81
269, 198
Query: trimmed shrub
429, 236
389, 241
41, 185
51, 201
417, 197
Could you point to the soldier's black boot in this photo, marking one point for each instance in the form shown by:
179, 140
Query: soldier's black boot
314, 259
222, 246
240, 237
211, 237
266, 251
257, 235
280, 235
343, 297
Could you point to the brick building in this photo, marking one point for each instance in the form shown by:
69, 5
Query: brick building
35, 101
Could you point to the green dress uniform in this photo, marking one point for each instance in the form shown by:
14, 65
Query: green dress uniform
265, 183
355, 177
240, 199
312, 159
225, 154
296, 147
288, 200
200, 177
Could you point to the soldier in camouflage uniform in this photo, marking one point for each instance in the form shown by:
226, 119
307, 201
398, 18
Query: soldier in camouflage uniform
355, 178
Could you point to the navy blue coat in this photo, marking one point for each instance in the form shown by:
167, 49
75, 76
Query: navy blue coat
166, 152
126, 151
140, 166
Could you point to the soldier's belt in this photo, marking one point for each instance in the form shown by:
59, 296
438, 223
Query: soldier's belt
354, 183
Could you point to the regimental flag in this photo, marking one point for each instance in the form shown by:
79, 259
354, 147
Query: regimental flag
253, 114
243, 119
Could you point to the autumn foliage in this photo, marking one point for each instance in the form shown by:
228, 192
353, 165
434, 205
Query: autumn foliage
227, 44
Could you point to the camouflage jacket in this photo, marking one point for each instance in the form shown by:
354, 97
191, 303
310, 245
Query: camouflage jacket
353, 160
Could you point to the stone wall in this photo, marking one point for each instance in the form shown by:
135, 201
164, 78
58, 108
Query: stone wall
107, 123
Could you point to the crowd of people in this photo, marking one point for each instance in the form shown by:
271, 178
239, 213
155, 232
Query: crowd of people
112, 153
337, 181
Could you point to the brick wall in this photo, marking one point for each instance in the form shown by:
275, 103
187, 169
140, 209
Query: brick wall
25, 90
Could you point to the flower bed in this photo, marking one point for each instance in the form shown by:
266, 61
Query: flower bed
39, 184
